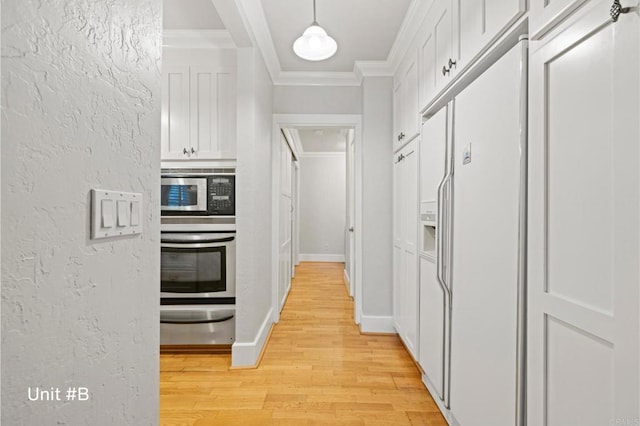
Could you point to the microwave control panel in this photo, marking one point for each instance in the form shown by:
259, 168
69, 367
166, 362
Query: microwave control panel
221, 191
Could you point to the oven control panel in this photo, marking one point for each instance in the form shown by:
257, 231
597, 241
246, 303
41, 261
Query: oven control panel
221, 195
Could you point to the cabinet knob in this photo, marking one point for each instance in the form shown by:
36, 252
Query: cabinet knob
184, 151
452, 63
445, 70
402, 135
193, 151
616, 10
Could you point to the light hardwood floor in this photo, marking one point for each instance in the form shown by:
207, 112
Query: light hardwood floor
317, 370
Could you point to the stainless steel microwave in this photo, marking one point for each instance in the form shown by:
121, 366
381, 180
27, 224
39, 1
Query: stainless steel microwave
199, 194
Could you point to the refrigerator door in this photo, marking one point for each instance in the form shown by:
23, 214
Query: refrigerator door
486, 197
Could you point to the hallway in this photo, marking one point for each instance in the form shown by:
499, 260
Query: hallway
317, 369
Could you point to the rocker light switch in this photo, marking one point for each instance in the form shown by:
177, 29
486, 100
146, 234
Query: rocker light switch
115, 213
123, 213
135, 213
107, 213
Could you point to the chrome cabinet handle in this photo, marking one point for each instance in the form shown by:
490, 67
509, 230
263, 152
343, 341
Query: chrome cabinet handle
184, 151
351, 229
193, 151
452, 63
402, 135
445, 70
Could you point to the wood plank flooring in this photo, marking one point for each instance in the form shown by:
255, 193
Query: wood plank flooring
317, 370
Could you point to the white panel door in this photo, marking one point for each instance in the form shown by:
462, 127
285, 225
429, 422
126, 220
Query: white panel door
584, 221
175, 112
286, 222
486, 209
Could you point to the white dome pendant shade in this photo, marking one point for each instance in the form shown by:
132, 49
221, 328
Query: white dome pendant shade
315, 44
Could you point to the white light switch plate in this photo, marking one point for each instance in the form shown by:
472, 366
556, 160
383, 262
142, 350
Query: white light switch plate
115, 213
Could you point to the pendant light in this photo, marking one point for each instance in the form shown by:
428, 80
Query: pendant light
315, 44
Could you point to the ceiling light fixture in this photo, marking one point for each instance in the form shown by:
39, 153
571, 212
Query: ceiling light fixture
315, 44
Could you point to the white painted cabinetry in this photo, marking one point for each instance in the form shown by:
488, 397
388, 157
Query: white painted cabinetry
584, 220
405, 245
198, 104
406, 120
438, 50
482, 22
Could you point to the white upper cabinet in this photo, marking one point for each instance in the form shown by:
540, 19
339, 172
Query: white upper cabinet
198, 104
406, 120
482, 22
546, 14
439, 60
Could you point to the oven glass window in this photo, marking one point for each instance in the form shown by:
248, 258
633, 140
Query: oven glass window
201, 270
179, 195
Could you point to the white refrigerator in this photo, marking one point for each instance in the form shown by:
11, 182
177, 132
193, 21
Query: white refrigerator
473, 293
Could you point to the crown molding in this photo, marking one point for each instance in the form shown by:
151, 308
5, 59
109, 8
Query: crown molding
372, 69
197, 39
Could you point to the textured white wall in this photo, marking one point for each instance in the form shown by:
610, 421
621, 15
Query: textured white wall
317, 99
253, 216
322, 205
377, 177
81, 110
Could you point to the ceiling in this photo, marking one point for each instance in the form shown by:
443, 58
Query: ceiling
365, 30
190, 15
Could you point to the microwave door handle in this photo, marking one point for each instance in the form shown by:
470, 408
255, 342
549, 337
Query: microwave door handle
203, 321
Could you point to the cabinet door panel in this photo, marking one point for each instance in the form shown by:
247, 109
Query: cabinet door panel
546, 14
428, 78
204, 112
443, 31
411, 116
175, 111
583, 285
481, 23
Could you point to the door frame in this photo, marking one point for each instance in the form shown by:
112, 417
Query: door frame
281, 121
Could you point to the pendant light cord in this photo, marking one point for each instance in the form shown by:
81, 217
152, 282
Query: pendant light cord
314, 12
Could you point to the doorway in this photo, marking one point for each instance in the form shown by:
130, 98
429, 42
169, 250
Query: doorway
323, 227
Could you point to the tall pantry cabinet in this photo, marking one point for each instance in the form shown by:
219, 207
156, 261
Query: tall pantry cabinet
584, 218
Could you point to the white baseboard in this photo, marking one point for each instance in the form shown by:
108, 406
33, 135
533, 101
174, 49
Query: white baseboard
246, 354
347, 282
376, 324
321, 257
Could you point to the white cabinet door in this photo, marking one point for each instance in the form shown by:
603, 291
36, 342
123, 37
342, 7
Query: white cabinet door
405, 103
405, 245
482, 22
545, 14
175, 124
584, 221
410, 211
212, 113
438, 50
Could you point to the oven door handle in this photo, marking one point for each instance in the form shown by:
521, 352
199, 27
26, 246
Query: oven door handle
202, 321
205, 240
187, 246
